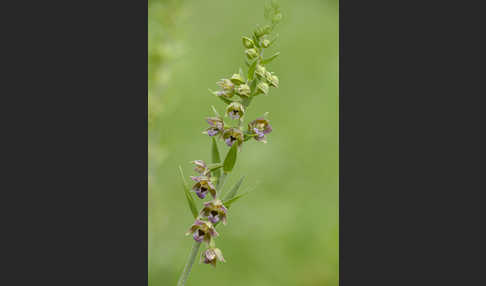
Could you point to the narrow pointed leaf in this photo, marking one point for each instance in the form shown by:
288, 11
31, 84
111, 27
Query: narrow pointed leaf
234, 190
214, 166
190, 199
251, 70
215, 157
230, 160
224, 99
271, 58
228, 203
215, 111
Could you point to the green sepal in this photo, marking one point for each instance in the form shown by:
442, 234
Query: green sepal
271, 58
230, 160
190, 199
233, 190
215, 157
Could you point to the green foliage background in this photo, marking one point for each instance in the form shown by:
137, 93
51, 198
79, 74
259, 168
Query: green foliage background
286, 231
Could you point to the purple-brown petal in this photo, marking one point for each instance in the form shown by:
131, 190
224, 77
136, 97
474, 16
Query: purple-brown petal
229, 142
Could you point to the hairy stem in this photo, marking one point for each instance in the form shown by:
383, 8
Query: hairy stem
189, 263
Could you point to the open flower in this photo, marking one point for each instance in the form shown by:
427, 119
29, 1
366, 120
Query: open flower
235, 110
227, 88
259, 127
202, 231
200, 167
203, 186
214, 211
232, 135
216, 126
211, 255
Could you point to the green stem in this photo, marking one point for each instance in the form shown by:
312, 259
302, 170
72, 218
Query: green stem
189, 263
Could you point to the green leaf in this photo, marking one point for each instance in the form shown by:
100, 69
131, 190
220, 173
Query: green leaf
274, 39
190, 199
271, 58
228, 203
225, 100
234, 190
230, 160
214, 166
215, 157
251, 70
215, 111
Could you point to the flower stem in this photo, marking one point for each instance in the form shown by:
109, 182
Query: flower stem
189, 263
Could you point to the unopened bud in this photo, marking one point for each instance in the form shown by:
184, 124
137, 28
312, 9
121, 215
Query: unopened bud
237, 78
244, 90
260, 71
263, 87
271, 79
265, 43
251, 53
248, 43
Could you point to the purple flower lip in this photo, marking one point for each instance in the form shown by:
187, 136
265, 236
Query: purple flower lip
234, 114
198, 235
258, 132
212, 132
213, 217
200, 194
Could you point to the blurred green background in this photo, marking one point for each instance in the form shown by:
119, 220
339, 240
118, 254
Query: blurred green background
286, 231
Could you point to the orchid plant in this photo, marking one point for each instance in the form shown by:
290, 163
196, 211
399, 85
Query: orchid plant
237, 92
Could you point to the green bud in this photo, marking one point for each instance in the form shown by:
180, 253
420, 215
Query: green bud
244, 90
277, 18
260, 31
271, 79
237, 78
265, 43
248, 43
263, 87
251, 53
260, 71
